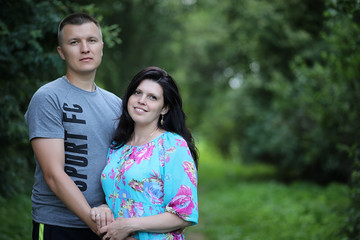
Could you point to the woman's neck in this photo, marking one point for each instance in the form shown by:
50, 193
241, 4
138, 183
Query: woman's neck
144, 135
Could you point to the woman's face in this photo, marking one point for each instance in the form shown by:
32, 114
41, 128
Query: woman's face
147, 103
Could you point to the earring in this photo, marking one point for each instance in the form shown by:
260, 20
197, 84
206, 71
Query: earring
162, 120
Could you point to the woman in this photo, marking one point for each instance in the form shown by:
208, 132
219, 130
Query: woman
150, 180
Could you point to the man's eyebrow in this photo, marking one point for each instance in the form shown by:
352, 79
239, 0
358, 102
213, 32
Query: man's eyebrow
77, 38
73, 38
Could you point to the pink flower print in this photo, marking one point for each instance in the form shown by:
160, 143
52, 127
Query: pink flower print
130, 208
120, 175
170, 150
190, 170
174, 236
112, 197
117, 183
108, 158
136, 185
161, 142
112, 174
182, 203
125, 166
126, 152
181, 143
138, 209
103, 176
144, 154
162, 156
111, 151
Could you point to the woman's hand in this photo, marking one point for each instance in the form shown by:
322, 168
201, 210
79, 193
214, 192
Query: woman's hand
120, 229
102, 215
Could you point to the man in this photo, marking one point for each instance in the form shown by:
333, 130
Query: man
71, 124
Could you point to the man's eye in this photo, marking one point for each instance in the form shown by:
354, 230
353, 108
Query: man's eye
92, 40
74, 42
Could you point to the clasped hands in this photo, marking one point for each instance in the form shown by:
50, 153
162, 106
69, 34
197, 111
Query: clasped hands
107, 226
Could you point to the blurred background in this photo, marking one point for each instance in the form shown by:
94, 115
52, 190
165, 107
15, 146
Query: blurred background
271, 90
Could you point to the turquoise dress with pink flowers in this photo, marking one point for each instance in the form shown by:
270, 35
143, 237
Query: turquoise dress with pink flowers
157, 177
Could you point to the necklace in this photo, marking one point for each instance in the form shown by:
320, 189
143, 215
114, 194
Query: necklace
146, 140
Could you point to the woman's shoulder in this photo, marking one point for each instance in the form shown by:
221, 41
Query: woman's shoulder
172, 135
173, 139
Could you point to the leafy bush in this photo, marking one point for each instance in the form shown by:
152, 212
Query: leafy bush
25, 62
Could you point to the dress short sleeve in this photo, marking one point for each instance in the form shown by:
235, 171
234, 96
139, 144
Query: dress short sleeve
180, 179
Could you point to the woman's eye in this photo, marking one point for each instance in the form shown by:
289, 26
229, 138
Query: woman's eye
137, 92
152, 97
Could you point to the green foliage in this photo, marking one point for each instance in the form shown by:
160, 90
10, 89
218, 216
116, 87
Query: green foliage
352, 228
147, 31
345, 60
25, 61
285, 91
15, 215
234, 206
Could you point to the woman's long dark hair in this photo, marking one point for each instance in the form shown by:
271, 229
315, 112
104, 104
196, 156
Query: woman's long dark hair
174, 119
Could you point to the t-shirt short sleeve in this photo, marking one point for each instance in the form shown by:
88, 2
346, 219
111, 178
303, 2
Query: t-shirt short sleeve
44, 115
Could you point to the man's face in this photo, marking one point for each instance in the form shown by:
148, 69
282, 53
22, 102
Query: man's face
81, 48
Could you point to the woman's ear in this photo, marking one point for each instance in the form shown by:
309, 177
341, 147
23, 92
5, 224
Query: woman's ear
164, 110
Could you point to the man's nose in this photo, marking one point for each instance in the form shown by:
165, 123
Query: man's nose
84, 47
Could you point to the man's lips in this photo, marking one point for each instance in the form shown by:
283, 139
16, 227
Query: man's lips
86, 59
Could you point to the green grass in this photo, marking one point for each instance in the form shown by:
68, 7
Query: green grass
236, 202
243, 202
15, 218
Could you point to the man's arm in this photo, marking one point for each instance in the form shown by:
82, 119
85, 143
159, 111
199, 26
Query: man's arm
50, 154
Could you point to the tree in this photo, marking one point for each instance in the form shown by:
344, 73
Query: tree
277, 99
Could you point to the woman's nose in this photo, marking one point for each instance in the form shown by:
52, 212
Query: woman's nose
142, 99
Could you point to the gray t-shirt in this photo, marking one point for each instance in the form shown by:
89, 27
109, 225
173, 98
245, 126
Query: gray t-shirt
86, 121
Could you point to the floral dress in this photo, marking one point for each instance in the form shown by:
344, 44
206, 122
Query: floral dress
157, 177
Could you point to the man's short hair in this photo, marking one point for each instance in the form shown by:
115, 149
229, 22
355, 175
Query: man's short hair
76, 19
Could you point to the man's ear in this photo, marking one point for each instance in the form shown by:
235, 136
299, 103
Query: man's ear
102, 50
60, 53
